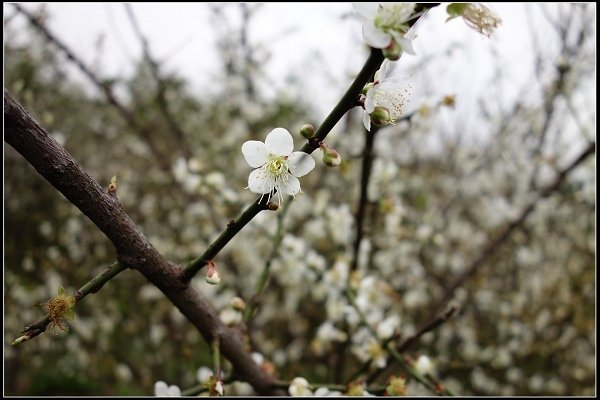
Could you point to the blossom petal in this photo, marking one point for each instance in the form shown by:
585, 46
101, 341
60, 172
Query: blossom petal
300, 163
375, 37
70, 301
160, 389
369, 103
367, 121
366, 10
291, 186
260, 182
382, 71
69, 315
255, 153
174, 391
279, 142
406, 44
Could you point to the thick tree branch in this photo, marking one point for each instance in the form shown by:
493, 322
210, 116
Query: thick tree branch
134, 251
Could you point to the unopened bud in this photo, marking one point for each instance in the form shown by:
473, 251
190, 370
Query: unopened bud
307, 131
331, 158
449, 101
393, 51
238, 304
212, 275
380, 116
20, 339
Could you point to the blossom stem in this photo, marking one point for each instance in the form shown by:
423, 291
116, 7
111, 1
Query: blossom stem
264, 276
367, 162
216, 353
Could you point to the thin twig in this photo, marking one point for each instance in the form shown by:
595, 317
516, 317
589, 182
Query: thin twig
429, 326
491, 247
144, 131
90, 287
161, 86
264, 276
428, 381
367, 163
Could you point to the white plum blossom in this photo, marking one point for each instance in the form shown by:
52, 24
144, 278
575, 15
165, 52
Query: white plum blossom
325, 392
203, 374
386, 94
424, 365
278, 167
388, 327
161, 389
385, 23
300, 387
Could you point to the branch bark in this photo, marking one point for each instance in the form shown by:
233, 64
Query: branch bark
134, 251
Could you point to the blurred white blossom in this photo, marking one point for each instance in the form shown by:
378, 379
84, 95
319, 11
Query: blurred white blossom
161, 389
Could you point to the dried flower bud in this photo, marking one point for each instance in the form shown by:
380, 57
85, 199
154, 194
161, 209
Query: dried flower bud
475, 15
449, 101
215, 386
396, 387
272, 206
112, 188
307, 131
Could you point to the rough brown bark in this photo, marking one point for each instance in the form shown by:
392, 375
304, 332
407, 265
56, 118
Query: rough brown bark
134, 250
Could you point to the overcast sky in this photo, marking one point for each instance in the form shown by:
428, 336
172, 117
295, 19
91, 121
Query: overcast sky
182, 35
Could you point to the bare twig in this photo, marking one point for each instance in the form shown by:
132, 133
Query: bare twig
92, 286
491, 247
161, 86
145, 132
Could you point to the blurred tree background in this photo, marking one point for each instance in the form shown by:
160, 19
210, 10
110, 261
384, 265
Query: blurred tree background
439, 198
